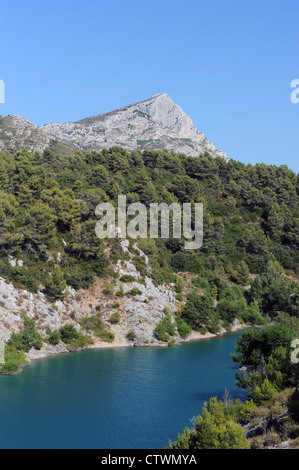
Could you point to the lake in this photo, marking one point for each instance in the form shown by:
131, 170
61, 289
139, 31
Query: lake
125, 398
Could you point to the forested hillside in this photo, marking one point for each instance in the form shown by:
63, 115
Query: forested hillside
247, 268
251, 216
251, 213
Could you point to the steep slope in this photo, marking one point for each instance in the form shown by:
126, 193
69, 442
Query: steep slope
140, 312
156, 123
16, 133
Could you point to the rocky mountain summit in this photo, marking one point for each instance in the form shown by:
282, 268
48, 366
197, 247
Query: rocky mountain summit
16, 134
156, 124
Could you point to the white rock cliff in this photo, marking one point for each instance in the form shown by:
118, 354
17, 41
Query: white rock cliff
156, 124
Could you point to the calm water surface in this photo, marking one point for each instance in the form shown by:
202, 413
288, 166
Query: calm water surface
114, 398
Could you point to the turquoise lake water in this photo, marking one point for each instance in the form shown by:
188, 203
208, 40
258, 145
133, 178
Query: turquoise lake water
126, 398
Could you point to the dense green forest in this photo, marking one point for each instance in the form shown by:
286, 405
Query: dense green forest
249, 259
251, 223
247, 268
271, 413
251, 217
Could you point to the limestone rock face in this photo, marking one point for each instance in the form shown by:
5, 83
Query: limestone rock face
18, 133
143, 312
156, 123
140, 311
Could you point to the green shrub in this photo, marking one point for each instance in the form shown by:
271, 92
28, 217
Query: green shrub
184, 329
79, 342
78, 276
148, 246
165, 328
93, 323
120, 292
131, 335
68, 333
133, 292
115, 318
179, 262
157, 278
54, 337
263, 393
55, 285
22, 277
109, 288
28, 338
200, 282
198, 310
106, 336
127, 278
140, 265
14, 359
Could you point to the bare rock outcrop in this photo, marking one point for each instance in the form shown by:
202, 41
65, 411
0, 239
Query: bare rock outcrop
156, 124
141, 310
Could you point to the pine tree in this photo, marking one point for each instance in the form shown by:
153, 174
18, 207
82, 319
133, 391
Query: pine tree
230, 270
242, 274
55, 285
39, 226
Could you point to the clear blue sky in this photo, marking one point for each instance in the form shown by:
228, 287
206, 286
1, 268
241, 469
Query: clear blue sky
227, 63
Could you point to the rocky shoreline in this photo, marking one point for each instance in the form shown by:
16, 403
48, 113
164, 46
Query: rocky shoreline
48, 351
140, 312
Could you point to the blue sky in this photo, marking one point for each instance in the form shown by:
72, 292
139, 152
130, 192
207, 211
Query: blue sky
228, 64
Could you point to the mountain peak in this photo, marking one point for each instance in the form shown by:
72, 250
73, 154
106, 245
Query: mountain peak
156, 123
18, 133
